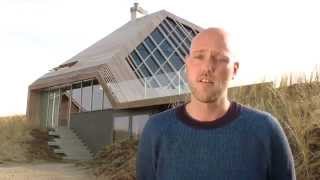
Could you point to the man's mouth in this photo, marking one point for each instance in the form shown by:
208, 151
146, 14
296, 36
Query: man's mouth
206, 81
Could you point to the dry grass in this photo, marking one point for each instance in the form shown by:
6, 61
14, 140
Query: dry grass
20, 142
115, 162
14, 133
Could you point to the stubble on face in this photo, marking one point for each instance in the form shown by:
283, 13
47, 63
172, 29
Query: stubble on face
207, 92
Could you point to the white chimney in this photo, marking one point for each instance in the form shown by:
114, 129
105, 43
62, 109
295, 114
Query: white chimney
135, 9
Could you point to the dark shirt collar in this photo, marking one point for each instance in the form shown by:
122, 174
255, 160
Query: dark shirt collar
232, 113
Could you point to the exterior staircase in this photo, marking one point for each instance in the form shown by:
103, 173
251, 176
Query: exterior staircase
66, 143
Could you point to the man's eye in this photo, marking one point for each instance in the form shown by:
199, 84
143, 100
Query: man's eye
223, 60
198, 56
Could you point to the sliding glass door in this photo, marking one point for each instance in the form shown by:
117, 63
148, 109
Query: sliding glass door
50, 103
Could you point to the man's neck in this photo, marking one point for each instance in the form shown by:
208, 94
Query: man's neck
207, 111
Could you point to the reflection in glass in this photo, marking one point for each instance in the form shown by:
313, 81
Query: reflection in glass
97, 96
106, 102
143, 50
86, 95
166, 48
76, 97
157, 35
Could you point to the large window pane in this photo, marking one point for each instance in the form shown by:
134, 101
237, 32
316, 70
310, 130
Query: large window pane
171, 22
157, 36
121, 127
56, 108
152, 64
176, 81
177, 37
76, 97
163, 79
150, 43
167, 25
159, 57
189, 30
164, 29
143, 51
166, 48
138, 123
136, 59
153, 83
145, 71
176, 61
138, 73
44, 98
106, 102
167, 68
50, 112
185, 48
64, 106
131, 63
173, 41
97, 96
188, 42
180, 32
86, 95
182, 52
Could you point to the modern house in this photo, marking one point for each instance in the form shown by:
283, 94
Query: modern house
110, 89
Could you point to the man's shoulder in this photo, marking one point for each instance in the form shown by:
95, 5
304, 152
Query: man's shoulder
252, 112
159, 121
259, 118
163, 117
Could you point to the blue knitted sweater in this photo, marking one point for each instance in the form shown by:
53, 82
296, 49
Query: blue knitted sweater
244, 144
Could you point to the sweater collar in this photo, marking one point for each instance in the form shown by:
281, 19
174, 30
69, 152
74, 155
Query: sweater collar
232, 113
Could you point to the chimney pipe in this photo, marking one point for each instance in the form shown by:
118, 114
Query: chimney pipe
135, 9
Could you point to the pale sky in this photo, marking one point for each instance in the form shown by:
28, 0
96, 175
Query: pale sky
270, 37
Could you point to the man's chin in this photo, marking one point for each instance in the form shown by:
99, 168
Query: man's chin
206, 99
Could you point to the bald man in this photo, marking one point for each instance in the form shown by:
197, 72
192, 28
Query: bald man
211, 138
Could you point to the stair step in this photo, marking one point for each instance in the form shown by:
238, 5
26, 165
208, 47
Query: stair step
63, 134
67, 140
69, 144
76, 158
67, 152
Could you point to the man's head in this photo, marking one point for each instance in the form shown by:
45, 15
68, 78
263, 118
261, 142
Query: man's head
210, 66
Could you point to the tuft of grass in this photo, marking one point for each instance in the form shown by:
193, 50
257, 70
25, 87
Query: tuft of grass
116, 161
21, 142
14, 132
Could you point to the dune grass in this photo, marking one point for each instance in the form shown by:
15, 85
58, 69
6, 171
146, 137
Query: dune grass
21, 142
14, 133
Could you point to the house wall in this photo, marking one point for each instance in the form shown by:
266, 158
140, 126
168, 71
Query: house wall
94, 128
100, 128
33, 108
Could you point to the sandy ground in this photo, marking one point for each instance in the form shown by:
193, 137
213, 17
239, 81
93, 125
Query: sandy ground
44, 171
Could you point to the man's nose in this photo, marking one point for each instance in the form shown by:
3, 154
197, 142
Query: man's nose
209, 65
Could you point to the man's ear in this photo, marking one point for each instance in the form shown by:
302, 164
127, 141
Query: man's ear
235, 69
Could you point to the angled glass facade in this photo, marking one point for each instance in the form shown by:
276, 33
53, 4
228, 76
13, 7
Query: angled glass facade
159, 59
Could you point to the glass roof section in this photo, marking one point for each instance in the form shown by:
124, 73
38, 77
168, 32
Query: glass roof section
159, 59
